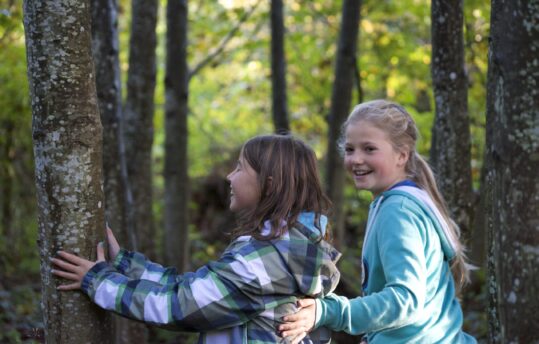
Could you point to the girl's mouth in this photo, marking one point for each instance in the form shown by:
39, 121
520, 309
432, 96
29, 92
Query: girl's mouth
360, 173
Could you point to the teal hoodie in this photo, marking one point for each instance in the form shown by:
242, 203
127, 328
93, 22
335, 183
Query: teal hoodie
407, 282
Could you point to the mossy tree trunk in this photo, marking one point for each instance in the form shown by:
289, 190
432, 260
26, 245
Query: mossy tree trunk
118, 195
138, 114
450, 153
67, 138
512, 160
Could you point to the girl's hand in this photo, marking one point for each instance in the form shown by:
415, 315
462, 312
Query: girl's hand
74, 268
300, 323
114, 247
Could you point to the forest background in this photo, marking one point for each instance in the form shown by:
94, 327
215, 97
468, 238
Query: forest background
230, 100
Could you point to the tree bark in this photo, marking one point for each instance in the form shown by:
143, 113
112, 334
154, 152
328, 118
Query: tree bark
451, 129
118, 196
105, 47
176, 160
512, 144
138, 115
278, 69
68, 162
341, 99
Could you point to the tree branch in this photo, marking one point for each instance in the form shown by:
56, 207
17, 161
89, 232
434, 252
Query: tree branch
222, 45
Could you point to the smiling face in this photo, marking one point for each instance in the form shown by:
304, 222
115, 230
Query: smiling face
244, 187
371, 159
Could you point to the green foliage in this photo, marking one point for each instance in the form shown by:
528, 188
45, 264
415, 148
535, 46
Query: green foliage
18, 224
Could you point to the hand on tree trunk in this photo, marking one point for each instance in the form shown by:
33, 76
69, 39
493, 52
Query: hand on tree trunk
74, 268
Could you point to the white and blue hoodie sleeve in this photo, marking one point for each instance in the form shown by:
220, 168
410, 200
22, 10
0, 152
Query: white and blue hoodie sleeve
410, 295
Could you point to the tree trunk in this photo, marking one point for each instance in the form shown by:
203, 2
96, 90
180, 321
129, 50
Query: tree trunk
451, 129
7, 181
138, 116
341, 99
105, 51
278, 69
118, 197
176, 161
512, 144
67, 148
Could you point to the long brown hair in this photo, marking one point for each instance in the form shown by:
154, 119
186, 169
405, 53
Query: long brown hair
295, 184
402, 132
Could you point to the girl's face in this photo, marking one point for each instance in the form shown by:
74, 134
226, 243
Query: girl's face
244, 187
371, 159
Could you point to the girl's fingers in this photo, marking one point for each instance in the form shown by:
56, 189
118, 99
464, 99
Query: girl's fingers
71, 286
64, 265
100, 252
298, 339
66, 275
114, 247
71, 258
110, 237
293, 329
287, 326
292, 318
305, 303
293, 332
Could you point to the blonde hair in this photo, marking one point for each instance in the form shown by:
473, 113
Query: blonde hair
402, 132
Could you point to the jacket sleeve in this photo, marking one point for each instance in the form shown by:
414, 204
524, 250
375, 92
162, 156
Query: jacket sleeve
136, 266
400, 243
221, 294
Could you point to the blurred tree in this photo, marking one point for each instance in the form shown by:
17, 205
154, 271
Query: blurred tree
118, 196
18, 225
512, 159
176, 160
278, 69
450, 153
68, 158
138, 115
341, 99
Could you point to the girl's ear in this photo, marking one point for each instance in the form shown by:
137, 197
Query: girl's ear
269, 183
403, 157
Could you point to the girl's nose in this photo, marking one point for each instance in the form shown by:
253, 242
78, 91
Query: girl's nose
356, 158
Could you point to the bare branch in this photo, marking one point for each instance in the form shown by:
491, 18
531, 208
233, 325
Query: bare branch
222, 45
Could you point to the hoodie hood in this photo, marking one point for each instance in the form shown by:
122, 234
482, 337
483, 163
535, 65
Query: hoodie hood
448, 239
311, 260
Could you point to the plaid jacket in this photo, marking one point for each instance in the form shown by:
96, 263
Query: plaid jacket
239, 298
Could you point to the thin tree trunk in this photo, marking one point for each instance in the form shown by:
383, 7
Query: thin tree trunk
512, 152
118, 198
105, 51
278, 69
341, 99
6, 180
451, 129
138, 115
176, 160
68, 162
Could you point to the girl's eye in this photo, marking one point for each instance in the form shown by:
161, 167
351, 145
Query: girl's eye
370, 149
348, 149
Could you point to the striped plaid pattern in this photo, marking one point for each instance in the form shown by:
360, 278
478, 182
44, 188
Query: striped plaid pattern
239, 298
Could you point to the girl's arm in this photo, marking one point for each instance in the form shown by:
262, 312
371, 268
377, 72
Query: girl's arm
221, 294
400, 243
136, 266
